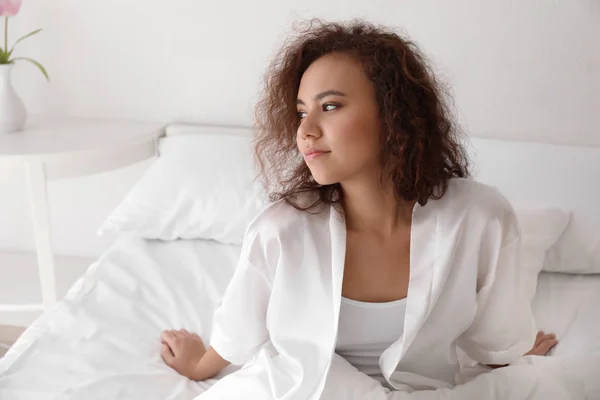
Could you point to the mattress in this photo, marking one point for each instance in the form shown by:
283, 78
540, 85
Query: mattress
102, 341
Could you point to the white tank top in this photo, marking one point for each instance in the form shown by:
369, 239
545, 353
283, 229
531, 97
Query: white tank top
365, 330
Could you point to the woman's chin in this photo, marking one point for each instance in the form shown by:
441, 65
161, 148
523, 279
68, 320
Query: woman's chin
324, 179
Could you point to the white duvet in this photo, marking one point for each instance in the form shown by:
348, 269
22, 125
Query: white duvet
102, 341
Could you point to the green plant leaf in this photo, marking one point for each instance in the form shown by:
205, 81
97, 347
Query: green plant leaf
4, 58
35, 63
23, 38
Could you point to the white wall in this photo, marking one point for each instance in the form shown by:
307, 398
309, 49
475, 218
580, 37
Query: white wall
525, 70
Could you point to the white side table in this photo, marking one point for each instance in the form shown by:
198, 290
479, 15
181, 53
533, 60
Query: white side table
55, 148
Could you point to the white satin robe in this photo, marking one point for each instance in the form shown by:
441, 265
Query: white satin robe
279, 314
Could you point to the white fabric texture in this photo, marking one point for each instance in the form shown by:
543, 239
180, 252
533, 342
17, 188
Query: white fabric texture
464, 281
567, 304
201, 187
532, 378
102, 341
366, 329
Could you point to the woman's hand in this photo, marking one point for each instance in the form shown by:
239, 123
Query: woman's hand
182, 351
543, 344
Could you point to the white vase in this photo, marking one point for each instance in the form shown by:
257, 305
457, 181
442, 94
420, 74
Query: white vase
12, 110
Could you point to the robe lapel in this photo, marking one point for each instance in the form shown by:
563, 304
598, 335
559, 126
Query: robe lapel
427, 278
337, 230
338, 257
423, 238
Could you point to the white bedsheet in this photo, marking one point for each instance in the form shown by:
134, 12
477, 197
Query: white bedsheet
102, 341
570, 306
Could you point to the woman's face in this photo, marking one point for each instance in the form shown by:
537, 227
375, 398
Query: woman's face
339, 132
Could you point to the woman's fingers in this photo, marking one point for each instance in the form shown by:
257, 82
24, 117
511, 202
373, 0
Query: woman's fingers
543, 343
545, 338
172, 333
540, 333
167, 355
542, 348
549, 336
165, 336
171, 339
541, 336
545, 346
171, 336
178, 335
182, 333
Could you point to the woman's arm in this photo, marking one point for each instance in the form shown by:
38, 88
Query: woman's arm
239, 327
503, 329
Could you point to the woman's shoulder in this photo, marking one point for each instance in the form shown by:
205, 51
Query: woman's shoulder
279, 225
276, 214
281, 217
477, 197
478, 204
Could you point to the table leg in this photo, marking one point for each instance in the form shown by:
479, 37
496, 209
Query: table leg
36, 180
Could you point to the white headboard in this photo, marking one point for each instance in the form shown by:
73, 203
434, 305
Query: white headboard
529, 175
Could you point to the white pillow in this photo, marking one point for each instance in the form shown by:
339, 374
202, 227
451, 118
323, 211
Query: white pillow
540, 229
203, 186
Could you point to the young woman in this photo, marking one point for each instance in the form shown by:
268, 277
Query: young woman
378, 246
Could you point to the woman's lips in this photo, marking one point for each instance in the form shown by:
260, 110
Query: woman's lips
314, 154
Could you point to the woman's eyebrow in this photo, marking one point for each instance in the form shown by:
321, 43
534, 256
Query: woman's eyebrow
323, 95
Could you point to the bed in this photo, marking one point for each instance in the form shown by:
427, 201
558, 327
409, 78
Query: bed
102, 340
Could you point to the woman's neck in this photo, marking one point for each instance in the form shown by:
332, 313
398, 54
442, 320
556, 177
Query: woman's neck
371, 207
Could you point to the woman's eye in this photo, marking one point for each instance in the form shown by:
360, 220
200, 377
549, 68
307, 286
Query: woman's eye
326, 107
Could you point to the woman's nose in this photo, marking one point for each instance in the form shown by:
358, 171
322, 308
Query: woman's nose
309, 128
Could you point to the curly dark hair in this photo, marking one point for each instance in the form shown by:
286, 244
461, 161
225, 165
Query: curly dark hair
420, 142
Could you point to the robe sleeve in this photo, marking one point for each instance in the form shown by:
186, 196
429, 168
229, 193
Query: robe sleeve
503, 329
239, 325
